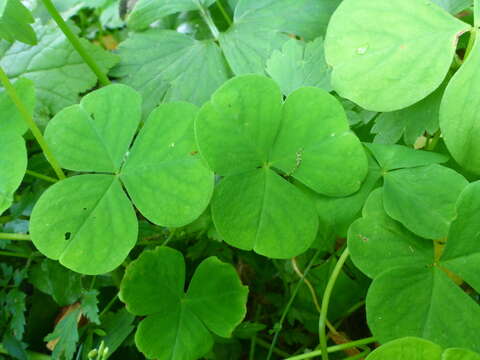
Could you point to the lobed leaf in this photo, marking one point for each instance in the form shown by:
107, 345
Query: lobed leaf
15, 20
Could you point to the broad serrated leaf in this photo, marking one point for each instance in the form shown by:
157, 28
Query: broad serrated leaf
299, 64
15, 22
260, 26
387, 55
86, 222
65, 336
11, 119
96, 134
89, 306
459, 113
63, 285
176, 324
411, 122
177, 68
165, 178
13, 162
146, 12
58, 71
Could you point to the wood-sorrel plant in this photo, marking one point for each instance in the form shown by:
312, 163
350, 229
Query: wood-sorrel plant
240, 179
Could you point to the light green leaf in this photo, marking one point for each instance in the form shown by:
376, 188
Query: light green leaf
236, 129
387, 55
460, 354
86, 222
459, 113
13, 164
340, 212
299, 64
417, 197
260, 210
176, 325
63, 285
314, 160
59, 73
411, 122
146, 12
392, 157
407, 348
66, 334
378, 243
176, 68
204, 295
424, 300
454, 6
11, 119
15, 20
167, 182
260, 27
95, 135
462, 252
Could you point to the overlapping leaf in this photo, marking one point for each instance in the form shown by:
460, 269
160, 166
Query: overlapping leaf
87, 221
10, 117
13, 162
178, 325
387, 55
416, 348
299, 64
58, 71
246, 134
15, 22
416, 281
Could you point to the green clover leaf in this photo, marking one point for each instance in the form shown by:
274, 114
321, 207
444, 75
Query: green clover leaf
87, 222
15, 20
417, 279
408, 348
13, 162
249, 136
387, 55
177, 325
426, 208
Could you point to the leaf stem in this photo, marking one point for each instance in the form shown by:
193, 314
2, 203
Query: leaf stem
224, 12
12, 236
75, 41
14, 254
335, 348
12, 93
325, 302
278, 326
276, 350
41, 176
108, 306
471, 42
208, 20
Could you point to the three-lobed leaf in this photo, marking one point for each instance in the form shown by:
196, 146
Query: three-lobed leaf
15, 22
178, 325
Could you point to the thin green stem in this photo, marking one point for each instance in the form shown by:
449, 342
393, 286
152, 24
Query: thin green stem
278, 326
326, 300
12, 93
30, 354
41, 176
108, 306
275, 350
75, 41
11, 236
14, 254
335, 348
224, 12
205, 14
471, 42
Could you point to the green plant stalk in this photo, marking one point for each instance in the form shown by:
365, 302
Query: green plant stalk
335, 348
13, 254
9, 236
41, 176
276, 351
471, 42
108, 306
30, 354
325, 302
75, 41
290, 302
12, 93
224, 12
208, 20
